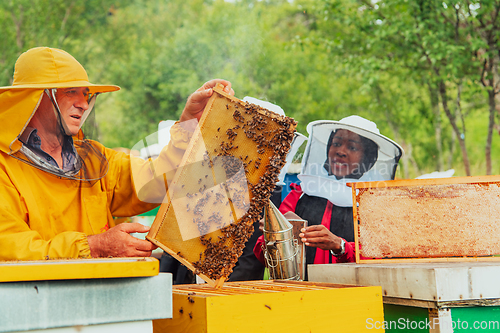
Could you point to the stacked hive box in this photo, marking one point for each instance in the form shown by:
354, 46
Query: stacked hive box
273, 306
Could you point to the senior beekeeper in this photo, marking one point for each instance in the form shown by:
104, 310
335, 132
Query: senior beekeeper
60, 191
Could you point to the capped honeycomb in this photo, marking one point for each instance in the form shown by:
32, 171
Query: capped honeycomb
225, 179
431, 218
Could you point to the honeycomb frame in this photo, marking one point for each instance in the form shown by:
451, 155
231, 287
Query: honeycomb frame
427, 220
229, 130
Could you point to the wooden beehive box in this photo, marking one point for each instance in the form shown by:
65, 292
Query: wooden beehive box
71, 269
445, 219
226, 177
273, 306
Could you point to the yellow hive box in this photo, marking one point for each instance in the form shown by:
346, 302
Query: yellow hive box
70, 269
273, 306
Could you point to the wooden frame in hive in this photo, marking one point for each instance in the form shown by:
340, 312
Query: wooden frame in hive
427, 220
225, 179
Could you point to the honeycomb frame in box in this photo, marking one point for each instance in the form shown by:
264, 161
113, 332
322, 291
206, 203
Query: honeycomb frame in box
427, 220
223, 182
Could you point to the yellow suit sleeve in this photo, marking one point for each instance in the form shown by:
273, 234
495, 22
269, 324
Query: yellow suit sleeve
19, 242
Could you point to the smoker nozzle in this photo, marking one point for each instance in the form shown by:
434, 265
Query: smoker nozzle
280, 249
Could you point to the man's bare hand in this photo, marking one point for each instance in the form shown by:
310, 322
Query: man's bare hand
198, 100
117, 242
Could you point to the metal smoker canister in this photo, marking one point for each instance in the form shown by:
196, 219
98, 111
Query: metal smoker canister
280, 249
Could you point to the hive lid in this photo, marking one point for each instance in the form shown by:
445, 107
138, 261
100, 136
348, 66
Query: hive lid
70, 269
225, 179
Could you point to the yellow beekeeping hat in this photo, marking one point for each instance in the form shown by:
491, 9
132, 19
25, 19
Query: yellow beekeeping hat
44, 67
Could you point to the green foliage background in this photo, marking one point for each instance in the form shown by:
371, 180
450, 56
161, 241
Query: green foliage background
317, 59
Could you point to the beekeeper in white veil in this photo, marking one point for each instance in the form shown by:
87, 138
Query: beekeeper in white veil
337, 152
326, 167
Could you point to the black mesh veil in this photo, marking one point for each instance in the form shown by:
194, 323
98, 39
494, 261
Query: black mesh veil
91, 163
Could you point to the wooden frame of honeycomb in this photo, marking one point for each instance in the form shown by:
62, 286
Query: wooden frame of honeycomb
225, 179
427, 220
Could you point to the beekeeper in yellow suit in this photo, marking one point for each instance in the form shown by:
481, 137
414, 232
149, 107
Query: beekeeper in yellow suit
59, 191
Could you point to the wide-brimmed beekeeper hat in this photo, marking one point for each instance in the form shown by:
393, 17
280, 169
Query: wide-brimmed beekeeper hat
321, 130
44, 67
37, 70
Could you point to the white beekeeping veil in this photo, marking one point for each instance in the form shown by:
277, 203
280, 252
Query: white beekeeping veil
315, 178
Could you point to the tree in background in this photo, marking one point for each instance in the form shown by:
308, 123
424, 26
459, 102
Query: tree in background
251, 43
424, 71
446, 47
70, 25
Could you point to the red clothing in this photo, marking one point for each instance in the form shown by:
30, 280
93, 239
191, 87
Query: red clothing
322, 256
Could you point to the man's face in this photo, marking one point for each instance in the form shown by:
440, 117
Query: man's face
73, 102
345, 153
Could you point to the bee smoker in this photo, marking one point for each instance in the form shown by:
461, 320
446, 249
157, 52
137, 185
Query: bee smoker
280, 249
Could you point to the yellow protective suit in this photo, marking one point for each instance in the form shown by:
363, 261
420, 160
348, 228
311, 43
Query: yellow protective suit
43, 216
